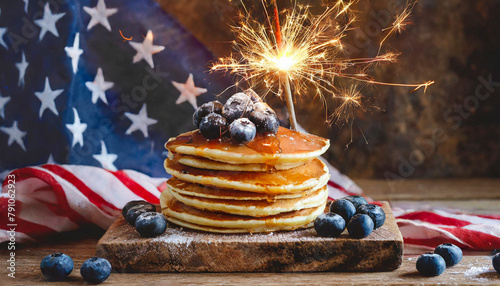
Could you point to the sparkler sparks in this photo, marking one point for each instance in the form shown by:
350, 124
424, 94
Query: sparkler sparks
306, 51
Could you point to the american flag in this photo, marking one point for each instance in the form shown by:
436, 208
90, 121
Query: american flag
91, 90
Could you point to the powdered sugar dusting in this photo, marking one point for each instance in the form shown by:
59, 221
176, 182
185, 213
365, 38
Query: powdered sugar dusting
474, 272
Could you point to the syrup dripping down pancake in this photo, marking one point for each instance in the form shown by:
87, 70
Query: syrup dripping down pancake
259, 208
197, 190
204, 163
181, 214
286, 146
298, 179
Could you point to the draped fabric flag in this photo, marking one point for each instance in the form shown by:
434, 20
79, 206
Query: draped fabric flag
100, 85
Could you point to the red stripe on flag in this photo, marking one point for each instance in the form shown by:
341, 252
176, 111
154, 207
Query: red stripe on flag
434, 218
63, 208
135, 187
479, 240
93, 197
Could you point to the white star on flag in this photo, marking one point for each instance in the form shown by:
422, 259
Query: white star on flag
106, 159
74, 52
15, 135
99, 15
140, 121
99, 87
51, 160
146, 49
2, 33
48, 22
47, 97
22, 66
189, 92
77, 128
3, 102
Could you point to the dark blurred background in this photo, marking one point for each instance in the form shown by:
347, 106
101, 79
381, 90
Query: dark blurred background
452, 130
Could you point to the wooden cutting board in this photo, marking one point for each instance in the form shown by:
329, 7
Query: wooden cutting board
184, 250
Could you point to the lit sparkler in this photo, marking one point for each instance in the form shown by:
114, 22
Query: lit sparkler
306, 53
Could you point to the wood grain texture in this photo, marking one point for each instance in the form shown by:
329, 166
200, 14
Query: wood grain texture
183, 250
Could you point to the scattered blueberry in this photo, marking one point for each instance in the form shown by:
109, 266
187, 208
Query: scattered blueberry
431, 264
496, 262
344, 208
150, 224
95, 270
253, 95
451, 253
242, 130
356, 200
135, 211
375, 212
329, 224
360, 226
213, 125
264, 118
206, 109
237, 106
56, 266
132, 204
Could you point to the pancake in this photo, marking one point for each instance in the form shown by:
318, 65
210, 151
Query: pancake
204, 163
286, 146
298, 179
259, 208
178, 212
197, 190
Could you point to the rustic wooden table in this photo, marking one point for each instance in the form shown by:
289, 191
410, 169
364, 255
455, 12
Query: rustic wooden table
477, 196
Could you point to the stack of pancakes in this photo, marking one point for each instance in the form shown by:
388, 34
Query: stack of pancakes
275, 182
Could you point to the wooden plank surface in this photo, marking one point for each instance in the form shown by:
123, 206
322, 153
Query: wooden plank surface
184, 250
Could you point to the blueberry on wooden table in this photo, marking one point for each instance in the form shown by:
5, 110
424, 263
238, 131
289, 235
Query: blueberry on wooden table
496, 262
431, 264
132, 204
329, 225
151, 224
360, 226
95, 270
375, 212
135, 211
451, 253
344, 208
357, 201
205, 109
242, 130
56, 266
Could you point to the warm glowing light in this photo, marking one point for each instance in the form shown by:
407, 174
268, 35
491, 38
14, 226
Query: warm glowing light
308, 52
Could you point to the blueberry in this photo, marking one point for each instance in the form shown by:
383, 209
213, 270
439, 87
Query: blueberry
206, 109
431, 264
135, 211
213, 125
344, 208
264, 118
356, 200
56, 266
242, 130
253, 95
451, 253
132, 204
237, 106
95, 270
360, 226
329, 224
496, 262
375, 212
150, 224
